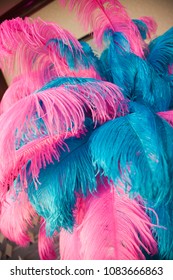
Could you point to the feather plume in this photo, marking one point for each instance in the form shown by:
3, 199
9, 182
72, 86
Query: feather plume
127, 148
20, 87
113, 227
147, 27
55, 197
46, 246
16, 217
56, 110
39, 153
34, 45
160, 53
102, 15
129, 72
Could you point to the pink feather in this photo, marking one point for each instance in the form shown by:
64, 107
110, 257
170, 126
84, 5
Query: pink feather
39, 152
113, 227
16, 217
24, 43
61, 110
101, 15
20, 87
151, 25
46, 245
168, 116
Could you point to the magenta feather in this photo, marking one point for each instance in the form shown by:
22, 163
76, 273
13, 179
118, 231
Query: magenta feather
25, 43
20, 87
39, 152
102, 15
16, 217
151, 25
60, 109
113, 227
70, 243
167, 115
46, 245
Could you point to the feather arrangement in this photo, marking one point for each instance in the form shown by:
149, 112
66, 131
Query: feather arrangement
86, 142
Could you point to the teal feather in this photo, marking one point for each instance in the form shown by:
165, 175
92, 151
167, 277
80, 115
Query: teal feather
129, 72
59, 183
133, 151
160, 54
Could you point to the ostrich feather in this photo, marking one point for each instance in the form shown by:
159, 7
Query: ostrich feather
161, 52
39, 153
46, 246
113, 227
129, 72
55, 197
131, 149
35, 45
16, 217
147, 27
56, 110
20, 87
102, 15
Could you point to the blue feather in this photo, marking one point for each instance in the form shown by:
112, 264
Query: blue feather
68, 81
132, 149
55, 197
137, 79
160, 54
77, 60
142, 27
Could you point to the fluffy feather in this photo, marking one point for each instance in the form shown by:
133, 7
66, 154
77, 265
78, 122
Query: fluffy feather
55, 197
113, 227
35, 45
161, 52
39, 153
127, 148
16, 216
147, 27
56, 110
129, 72
102, 15
46, 246
20, 87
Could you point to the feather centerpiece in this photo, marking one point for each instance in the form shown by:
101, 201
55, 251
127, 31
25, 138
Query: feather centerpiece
86, 141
